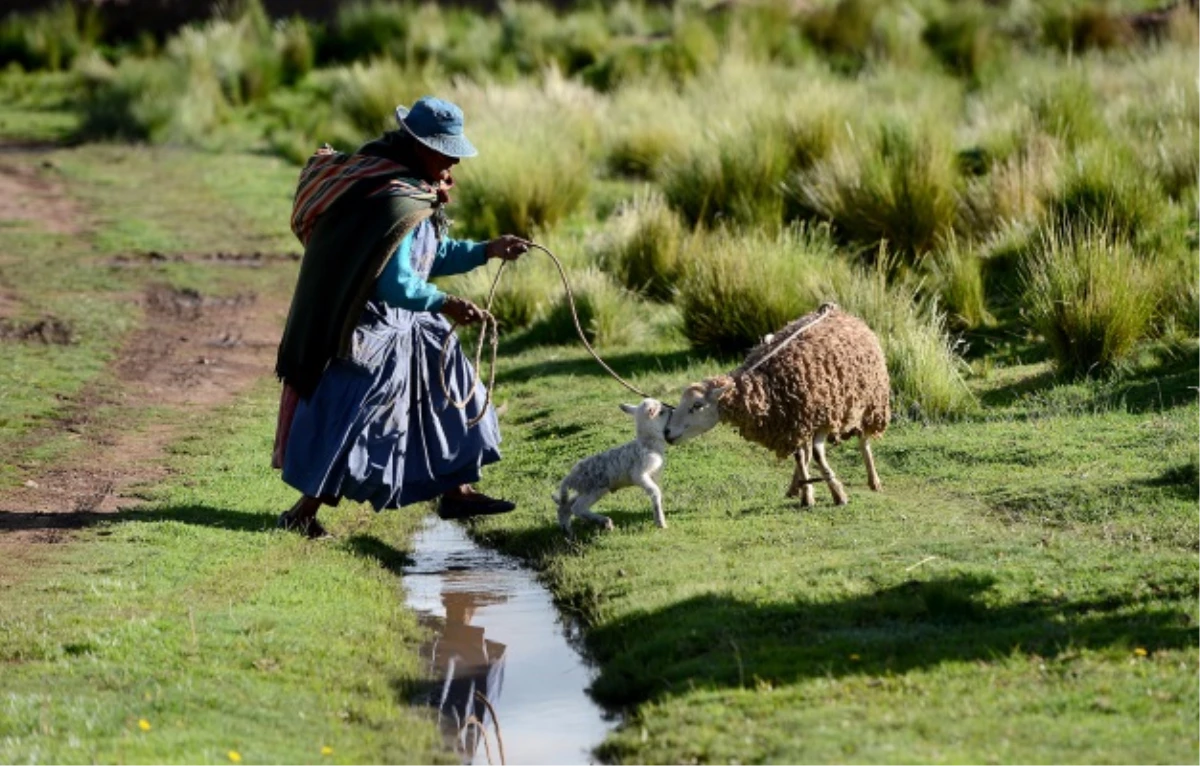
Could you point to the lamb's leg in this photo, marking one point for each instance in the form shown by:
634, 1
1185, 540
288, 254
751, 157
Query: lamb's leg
583, 502
835, 486
864, 446
646, 482
564, 513
800, 484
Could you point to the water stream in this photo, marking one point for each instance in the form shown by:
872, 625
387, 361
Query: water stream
498, 636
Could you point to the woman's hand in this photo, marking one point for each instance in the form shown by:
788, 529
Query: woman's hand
461, 311
507, 247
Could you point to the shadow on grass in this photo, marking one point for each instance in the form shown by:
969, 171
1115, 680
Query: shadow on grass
196, 515
1169, 384
369, 546
715, 641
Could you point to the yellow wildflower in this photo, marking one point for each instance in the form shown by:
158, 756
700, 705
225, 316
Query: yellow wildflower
143, 724
1140, 652
326, 750
854, 658
235, 756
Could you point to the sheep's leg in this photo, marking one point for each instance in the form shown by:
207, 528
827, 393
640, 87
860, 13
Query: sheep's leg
646, 482
583, 503
800, 483
835, 486
864, 446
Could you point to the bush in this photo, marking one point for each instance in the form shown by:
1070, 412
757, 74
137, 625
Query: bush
368, 28
922, 359
1088, 295
898, 188
641, 247
739, 287
49, 39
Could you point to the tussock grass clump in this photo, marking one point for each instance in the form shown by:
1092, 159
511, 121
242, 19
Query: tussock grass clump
897, 186
150, 100
844, 30
609, 314
1013, 191
1065, 107
733, 176
641, 247
521, 182
1104, 186
966, 41
1088, 295
368, 28
923, 360
1084, 28
739, 287
735, 172
956, 277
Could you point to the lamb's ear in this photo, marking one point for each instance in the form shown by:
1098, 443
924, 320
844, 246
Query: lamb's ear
629, 409
714, 393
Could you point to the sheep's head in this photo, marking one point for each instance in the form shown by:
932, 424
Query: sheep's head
651, 417
697, 411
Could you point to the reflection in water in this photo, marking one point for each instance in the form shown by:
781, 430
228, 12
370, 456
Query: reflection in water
495, 626
472, 671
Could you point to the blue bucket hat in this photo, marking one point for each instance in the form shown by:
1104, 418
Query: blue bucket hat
437, 124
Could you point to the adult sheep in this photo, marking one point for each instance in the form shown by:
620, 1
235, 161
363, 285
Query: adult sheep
823, 378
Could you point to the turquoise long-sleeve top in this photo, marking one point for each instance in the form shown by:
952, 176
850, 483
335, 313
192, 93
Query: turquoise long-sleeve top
400, 286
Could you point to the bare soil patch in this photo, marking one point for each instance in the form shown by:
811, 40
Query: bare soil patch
195, 352
30, 194
253, 260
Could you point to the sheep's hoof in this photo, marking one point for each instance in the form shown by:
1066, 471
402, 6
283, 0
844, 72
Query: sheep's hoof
607, 525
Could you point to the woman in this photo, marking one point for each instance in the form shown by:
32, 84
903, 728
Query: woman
363, 414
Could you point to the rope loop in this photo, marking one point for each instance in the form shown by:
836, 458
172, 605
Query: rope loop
490, 324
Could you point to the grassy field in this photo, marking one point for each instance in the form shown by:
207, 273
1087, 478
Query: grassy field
1005, 192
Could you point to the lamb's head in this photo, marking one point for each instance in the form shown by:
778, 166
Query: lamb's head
697, 411
651, 417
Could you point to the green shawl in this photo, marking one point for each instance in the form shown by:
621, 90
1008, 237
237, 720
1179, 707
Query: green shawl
346, 251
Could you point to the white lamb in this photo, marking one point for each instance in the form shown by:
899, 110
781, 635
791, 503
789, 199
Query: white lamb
633, 464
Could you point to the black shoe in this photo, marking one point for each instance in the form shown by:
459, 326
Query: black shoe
310, 527
473, 504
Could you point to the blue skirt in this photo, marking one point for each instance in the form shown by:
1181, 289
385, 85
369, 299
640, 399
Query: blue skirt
379, 429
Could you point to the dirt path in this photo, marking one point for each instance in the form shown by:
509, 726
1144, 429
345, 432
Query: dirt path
193, 353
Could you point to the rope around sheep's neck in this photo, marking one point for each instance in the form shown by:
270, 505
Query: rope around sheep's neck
489, 321
825, 310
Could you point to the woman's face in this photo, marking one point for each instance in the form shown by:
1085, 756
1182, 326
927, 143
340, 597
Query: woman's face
435, 167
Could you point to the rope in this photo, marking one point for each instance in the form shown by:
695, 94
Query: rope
822, 312
489, 321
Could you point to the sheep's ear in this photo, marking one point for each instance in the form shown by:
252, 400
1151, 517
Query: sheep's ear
715, 393
629, 409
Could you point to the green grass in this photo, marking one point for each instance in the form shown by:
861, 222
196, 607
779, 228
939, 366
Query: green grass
189, 613
1024, 590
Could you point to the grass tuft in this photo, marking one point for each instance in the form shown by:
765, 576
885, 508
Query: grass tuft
1089, 296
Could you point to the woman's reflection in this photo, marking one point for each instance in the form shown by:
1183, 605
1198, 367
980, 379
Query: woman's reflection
466, 663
